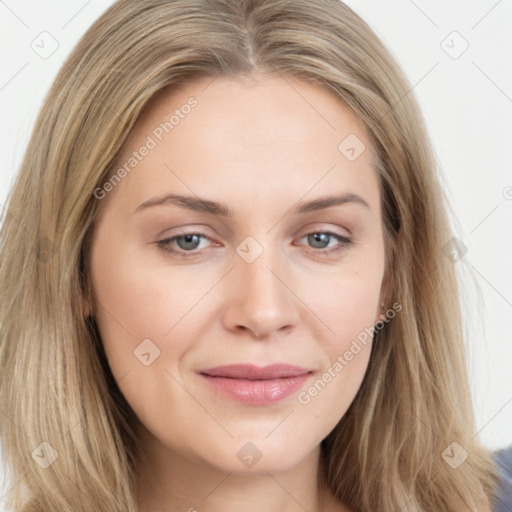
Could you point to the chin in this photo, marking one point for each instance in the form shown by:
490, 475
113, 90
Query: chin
257, 456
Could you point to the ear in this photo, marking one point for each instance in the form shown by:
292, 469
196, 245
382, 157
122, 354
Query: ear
384, 298
85, 302
87, 309
83, 306
386, 288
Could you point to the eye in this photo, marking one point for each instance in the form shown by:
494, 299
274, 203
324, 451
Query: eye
319, 239
188, 243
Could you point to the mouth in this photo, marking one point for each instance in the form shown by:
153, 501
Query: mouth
254, 384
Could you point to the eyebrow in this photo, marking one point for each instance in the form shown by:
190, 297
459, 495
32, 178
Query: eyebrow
215, 208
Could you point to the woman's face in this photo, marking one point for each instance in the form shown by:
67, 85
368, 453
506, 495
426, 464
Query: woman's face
263, 277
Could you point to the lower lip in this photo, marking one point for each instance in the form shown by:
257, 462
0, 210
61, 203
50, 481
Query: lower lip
257, 392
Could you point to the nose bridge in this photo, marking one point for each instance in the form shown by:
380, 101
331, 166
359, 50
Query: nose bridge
258, 277
258, 298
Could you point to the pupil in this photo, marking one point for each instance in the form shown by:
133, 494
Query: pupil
188, 239
322, 238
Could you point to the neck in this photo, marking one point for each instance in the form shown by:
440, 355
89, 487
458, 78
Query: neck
170, 481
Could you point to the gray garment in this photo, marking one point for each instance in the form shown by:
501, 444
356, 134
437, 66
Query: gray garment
503, 459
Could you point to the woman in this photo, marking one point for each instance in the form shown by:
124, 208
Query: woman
257, 369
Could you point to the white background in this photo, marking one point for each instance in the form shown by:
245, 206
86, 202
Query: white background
466, 101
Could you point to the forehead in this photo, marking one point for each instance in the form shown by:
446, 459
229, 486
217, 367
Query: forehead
278, 103
270, 134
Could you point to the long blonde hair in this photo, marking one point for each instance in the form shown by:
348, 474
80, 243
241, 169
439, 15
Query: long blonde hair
67, 431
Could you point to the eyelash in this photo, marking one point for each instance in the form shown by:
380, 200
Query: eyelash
344, 242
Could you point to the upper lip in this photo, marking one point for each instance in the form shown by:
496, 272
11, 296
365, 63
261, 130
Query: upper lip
252, 372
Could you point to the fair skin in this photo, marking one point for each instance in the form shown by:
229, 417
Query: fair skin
261, 147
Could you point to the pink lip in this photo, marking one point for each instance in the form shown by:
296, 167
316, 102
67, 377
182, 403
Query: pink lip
256, 385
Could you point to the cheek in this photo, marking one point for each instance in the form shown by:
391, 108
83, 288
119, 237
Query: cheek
139, 310
347, 305
346, 302
127, 290
137, 302
354, 307
132, 301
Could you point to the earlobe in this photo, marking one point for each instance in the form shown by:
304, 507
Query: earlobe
380, 313
83, 309
88, 304
83, 305
87, 311
385, 295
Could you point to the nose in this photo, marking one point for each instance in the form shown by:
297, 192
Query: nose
260, 297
